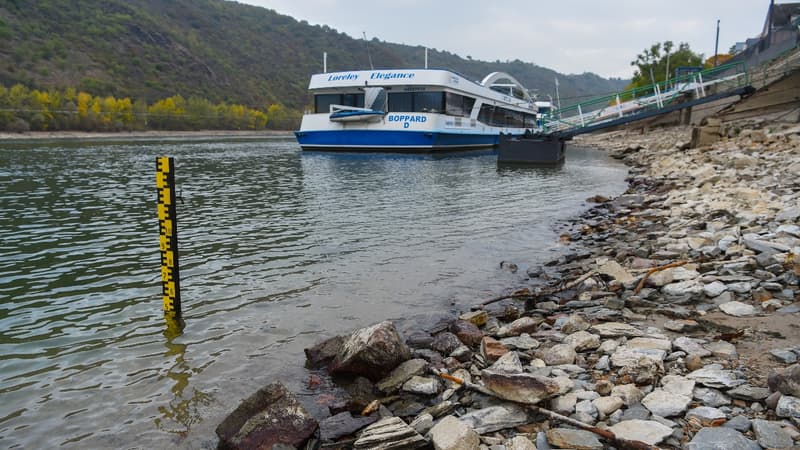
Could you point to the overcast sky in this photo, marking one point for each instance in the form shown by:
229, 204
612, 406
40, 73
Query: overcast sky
570, 36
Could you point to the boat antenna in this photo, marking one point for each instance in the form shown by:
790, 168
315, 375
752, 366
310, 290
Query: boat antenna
366, 44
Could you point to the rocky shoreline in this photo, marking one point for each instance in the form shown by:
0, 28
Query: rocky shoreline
672, 322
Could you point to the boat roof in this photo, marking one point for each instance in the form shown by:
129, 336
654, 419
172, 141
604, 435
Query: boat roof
337, 81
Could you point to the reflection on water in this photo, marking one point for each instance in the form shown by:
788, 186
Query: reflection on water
278, 249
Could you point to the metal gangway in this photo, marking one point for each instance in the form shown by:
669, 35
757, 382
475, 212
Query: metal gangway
640, 103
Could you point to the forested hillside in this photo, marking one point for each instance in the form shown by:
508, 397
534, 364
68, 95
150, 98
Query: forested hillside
216, 50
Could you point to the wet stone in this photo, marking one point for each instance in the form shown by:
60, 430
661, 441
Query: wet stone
343, 424
401, 374
467, 332
445, 343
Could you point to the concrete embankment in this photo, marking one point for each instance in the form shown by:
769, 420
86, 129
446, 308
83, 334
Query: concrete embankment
670, 321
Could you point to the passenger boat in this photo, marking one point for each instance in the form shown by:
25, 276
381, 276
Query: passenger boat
422, 110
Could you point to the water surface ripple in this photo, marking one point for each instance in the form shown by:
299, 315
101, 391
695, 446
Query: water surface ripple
279, 248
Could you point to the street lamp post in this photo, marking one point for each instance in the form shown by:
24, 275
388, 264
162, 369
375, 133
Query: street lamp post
716, 45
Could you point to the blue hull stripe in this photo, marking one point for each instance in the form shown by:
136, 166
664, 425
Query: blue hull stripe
392, 140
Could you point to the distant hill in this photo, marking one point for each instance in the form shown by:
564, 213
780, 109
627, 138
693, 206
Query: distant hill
218, 50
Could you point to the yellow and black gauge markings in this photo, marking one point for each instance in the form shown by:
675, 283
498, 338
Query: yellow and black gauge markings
168, 230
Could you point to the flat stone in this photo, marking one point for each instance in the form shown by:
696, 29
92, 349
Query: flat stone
749, 393
681, 325
722, 349
629, 393
771, 434
648, 431
269, 417
401, 374
445, 342
492, 349
630, 357
714, 288
467, 332
583, 340
559, 354
421, 385
738, 423
635, 412
691, 346
614, 270
788, 406
786, 356
721, 438
453, 434
522, 342
389, 433
737, 309
575, 322
519, 443
493, 418
711, 397
422, 423
705, 414
677, 385
741, 287
666, 404
682, 288
575, 439
650, 344
508, 363
616, 329
605, 406
520, 387
343, 424
519, 326
713, 375
478, 318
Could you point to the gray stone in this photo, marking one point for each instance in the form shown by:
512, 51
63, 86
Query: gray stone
583, 340
705, 414
713, 375
783, 355
635, 412
738, 423
520, 387
608, 347
721, 438
741, 287
666, 404
445, 342
715, 288
788, 406
421, 385
605, 406
586, 408
629, 393
453, 434
564, 404
711, 397
737, 309
771, 434
389, 433
401, 374
647, 431
522, 342
559, 354
615, 271
575, 322
343, 424
677, 385
569, 438
630, 357
519, 443
616, 329
722, 349
603, 363
371, 352
271, 416
683, 288
691, 346
650, 344
508, 363
493, 418
748, 392
422, 423
522, 325
786, 381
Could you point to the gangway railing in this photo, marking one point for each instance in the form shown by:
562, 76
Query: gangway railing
611, 108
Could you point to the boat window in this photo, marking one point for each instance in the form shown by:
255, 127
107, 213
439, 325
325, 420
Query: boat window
486, 114
530, 121
323, 102
401, 102
432, 102
458, 105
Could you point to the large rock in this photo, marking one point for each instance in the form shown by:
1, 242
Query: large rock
666, 404
390, 433
323, 353
569, 438
713, 375
737, 309
453, 434
493, 418
786, 382
343, 424
267, 418
372, 352
771, 434
721, 438
401, 374
467, 332
647, 431
520, 387
788, 406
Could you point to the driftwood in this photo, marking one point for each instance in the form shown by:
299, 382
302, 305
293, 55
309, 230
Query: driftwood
617, 442
520, 293
526, 293
654, 270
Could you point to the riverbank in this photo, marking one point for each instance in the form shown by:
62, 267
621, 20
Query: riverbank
150, 134
671, 321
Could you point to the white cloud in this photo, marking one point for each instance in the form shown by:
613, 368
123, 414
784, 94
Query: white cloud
570, 36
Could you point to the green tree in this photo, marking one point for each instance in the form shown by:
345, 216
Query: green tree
654, 63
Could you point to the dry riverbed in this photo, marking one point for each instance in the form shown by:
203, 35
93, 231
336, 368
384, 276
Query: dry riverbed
671, 321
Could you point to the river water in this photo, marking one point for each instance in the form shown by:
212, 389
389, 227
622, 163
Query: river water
279, 248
